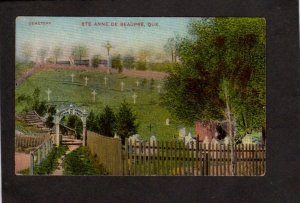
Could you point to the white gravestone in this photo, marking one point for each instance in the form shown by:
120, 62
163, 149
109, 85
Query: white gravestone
94, 95
48, 92
122, 85
167, 121
214, 141
105, 81
247, 139
182, 133
72, 75
86, 80
158, 88
226, 140
116, 136
206, 141
134, 96
137, 83
188, 140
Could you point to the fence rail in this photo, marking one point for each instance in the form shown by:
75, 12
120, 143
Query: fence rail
40, 153
175, 158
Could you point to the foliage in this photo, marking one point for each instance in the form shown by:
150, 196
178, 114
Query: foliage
22, 68
107, 122
48, 165
126, 121
151, 84
50, 118
95, 61
141, 65
75, 123
116, 63
128, 61
26, 50
221, 54
81, 162
43, 53
57, 52
79, 51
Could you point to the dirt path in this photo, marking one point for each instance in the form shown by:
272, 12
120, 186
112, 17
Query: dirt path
60, 169
22, 161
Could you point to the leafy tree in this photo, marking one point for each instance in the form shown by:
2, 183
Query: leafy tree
222, 75
95, 61
43, 53
116, 63
57, 52
128, 61
126, 121
141, 65
79, 51
107, 122
26, 50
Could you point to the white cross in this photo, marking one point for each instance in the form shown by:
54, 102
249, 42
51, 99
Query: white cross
72, 75
94, 94
134, 96
137, 83
105, 80
48, 92
86, 79
159, 88
122, 86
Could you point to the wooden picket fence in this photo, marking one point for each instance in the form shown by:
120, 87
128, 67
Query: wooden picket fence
108, 151
175, 158
29, 141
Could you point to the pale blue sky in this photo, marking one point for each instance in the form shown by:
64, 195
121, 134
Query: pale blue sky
67, 32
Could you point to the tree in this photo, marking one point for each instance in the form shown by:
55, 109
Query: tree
26, 50
128, 61
116, 63
57, 52
107, 122
143, 55
172, 46
95, 61
222, 75
91, 122
79, 51
43, 53
125, 122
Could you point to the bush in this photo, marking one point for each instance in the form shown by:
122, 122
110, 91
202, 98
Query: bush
95, 61
107, 122
82, 162
116, 63
128, 61
141, 65
48, 165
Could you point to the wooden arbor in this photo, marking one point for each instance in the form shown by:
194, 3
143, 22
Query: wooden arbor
70, 110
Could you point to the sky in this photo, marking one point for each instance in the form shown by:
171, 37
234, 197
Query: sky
67, 32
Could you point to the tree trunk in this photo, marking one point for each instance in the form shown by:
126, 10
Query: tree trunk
231, 134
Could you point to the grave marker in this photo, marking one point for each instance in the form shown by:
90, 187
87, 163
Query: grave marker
86, 80
72, 75
134, 96
94, 94
48, 92
122, 86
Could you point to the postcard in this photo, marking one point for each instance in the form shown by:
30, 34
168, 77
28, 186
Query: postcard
140, 96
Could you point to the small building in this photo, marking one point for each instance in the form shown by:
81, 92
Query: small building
210, 130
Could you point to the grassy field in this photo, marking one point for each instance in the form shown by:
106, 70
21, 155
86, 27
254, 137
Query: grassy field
147, 107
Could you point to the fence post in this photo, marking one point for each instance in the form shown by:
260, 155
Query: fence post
31, 168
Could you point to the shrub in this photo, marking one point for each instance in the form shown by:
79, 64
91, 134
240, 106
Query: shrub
95, 61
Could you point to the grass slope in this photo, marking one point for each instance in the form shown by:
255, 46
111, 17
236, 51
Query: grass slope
147, 106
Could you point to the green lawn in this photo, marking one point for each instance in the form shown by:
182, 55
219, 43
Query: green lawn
147, 106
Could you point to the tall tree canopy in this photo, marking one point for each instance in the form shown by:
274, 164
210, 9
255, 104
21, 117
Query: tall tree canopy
79, 51
222, 73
